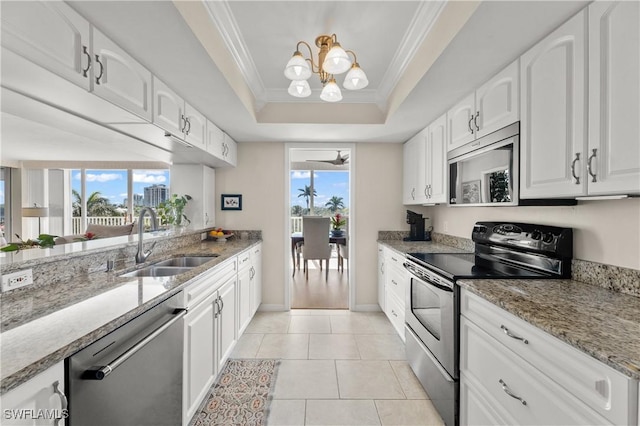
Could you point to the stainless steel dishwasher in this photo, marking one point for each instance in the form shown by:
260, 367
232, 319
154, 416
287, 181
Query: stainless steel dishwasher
132, 376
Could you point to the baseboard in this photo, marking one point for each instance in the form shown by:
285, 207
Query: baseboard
271, 308
367, 308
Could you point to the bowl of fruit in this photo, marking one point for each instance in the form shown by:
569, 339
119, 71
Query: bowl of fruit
220, 235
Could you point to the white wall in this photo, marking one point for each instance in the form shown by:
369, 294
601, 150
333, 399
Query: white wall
259, 177
604, 231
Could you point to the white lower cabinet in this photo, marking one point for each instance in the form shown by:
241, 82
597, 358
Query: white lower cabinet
255, 289
244, 290
381, 280
514, 373
39, 401
395, 279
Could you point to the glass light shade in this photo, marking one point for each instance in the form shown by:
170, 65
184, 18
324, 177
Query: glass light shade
337, 61
331, 92
297, 68
299, 88
356, 78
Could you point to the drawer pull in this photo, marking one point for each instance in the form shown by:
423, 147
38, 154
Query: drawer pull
506, 390
394, 313
513, 336
394, 282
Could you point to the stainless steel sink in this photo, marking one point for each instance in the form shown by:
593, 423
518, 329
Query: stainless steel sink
170, 267
186, 261
157, 271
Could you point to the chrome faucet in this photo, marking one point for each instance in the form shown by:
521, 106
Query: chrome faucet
142, 255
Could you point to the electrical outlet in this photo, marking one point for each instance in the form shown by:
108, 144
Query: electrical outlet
17, 279
445, 225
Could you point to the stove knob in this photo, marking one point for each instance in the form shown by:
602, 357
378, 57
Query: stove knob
535, 235
548, 237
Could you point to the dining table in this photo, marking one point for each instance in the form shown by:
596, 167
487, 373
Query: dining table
297, 237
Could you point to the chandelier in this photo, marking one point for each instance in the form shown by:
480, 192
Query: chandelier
332, 59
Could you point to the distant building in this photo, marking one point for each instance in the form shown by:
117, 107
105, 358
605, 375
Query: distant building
155, 194
138, 200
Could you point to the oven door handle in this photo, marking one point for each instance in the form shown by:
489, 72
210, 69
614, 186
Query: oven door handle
428, 282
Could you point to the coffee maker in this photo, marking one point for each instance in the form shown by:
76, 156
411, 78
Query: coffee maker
417, 232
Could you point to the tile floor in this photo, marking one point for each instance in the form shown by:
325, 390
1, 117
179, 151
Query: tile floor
338, 368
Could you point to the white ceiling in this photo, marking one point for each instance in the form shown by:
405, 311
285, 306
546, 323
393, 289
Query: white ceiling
261, 36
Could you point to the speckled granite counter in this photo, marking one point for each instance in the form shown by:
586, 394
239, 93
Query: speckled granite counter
79, 311
599, 322
404, 247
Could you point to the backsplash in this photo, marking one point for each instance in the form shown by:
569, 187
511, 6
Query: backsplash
614, 278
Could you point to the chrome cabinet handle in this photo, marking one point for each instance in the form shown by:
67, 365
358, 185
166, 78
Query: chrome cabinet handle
187, 123
217, 309
184, 125
429, 196
63, 401
470, 128
86, 70
591, 157
506, 390
475, 120
101, 70
513, 336
413, 193
426, 194
573, 168
221, 303
394, 282
394, 313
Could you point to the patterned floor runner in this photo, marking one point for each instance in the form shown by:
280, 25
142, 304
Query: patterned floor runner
242, 394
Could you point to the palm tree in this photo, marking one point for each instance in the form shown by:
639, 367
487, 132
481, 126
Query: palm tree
296, 210
306, 194
334, 204
97, 205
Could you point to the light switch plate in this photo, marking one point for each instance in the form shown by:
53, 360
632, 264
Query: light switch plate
16, 279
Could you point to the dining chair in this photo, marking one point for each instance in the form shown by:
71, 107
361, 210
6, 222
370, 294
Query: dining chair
343, 249
315, 231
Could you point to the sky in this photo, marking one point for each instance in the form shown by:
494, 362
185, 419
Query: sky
112, 184
326, 183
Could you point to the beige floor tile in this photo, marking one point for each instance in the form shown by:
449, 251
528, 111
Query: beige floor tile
320, 312
408, 412
247, 346
285, 346
351, 324
381, 324
310, 324
408, 380
306, 379
380, 346
286, 412
367, 380
341, 412
269, 322
333, 346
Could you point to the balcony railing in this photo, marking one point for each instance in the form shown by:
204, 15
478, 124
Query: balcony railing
76, 223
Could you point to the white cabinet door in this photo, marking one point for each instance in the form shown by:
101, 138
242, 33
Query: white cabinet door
168, 109
613, 157
199, 349
43, 392
231, 150
436, 158
381, 278
256, 278
412, 188
553, 114
208, 196
497, 101
119, 78
460, 129
50, 34
215, 140
196, 130
226, 321
244, 298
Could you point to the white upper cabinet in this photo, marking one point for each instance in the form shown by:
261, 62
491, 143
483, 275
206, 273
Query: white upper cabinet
196, 127
613, 158
414, 190
460, 123
230, 147
436, 161
552, 100
497, 101
50, 34
119, 78
493, 106
168, 108
215, 140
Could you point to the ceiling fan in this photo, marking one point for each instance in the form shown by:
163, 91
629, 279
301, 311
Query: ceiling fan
339, 160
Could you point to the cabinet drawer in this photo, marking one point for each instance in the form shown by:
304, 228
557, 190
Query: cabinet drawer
395, 311
605, 390
244, 260
395, 280
504, 376
207, 283
393, 258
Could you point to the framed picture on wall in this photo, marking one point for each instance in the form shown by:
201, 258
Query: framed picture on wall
231, 201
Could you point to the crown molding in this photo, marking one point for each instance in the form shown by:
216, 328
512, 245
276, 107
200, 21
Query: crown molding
221, 15
423, 20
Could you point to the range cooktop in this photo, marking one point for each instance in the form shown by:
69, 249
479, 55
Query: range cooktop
466, 265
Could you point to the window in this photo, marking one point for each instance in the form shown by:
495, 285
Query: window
5, 202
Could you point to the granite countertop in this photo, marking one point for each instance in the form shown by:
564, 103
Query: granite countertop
37, 335
405, 247
599, 322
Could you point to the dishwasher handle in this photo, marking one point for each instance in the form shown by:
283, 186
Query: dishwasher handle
100, 372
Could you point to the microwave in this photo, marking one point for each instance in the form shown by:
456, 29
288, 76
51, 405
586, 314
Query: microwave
485, 172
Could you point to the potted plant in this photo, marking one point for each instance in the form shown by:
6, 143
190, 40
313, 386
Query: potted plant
171, 212
337, 222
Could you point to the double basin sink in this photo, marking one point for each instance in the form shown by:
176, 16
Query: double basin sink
170, 267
